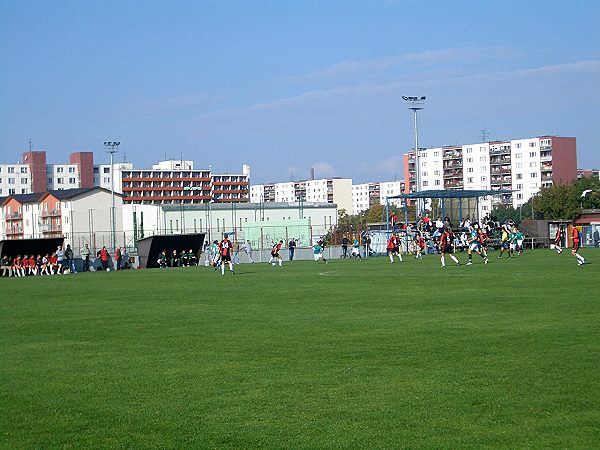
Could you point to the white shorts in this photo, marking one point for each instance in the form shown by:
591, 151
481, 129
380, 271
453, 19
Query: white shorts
318, 256
355, 251
474, 246
520, 243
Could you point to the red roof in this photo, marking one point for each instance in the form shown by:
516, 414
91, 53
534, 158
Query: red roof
588, 218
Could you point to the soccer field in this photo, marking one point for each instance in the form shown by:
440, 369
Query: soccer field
345, 355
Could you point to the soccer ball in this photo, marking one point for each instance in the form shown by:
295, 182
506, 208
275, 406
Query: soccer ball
272, 264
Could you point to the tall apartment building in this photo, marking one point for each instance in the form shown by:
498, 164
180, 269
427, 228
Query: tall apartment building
523, 166
594, 173
365, 195
326, 190
173, 182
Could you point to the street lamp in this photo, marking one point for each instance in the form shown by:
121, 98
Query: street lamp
415, 104
111, 147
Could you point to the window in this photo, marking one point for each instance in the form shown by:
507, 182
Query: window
23, 169
470, 180
519, 176
484, 179
469, 169
532, 154
72, 180
518, 145
107, 179
436, 153
519, 185
23, 180
59, 170
71, 169
533, 174
532, 164
11, 170
11, 191
436, 172
519, 165
532, 144
545, 143
11, 181
519, 196
106, 170
424, 174
49, 180
469, 160
518, 155
481, 149
482, 158
469, 150
437, 182
424, 164
60, 181
483, 169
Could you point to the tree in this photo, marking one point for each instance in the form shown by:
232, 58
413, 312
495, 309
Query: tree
558, 201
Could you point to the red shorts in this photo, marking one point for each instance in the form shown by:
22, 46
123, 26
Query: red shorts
575, 246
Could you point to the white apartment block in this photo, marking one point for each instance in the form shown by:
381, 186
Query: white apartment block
326, 190
522, 166
15, 179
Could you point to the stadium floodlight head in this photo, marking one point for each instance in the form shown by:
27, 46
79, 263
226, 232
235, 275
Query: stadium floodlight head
414, 103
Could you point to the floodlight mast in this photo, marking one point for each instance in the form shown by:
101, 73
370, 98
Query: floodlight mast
111, 147
415, 104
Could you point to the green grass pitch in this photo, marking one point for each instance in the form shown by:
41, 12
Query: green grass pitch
352, 354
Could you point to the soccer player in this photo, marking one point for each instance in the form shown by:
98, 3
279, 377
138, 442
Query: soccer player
275, 253
225, 249
163, 260
504, 243
576, 245
557, 240
216, 257
356, 249
420, 242
393, 248
519, 238
446, 246
318, 252
474, 244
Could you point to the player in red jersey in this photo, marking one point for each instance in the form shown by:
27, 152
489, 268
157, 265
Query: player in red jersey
275, 253
420, 242
393, 247
557, 240
447, 247
225, 249
17, 267
576, 245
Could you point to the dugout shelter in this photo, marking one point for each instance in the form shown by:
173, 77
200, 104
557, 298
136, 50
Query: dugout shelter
14, 247
149, 248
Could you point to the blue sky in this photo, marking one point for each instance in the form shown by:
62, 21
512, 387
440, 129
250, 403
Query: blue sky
289, 85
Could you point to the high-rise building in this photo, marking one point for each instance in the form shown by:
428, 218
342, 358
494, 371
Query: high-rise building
523, 166
325, 190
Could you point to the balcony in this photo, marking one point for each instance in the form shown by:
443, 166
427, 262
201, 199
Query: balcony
51, 213
11, 231
50, 228
13, 216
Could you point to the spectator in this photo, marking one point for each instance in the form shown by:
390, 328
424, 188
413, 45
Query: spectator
104, 257
69, 259
292, 248
60, 259
85, 256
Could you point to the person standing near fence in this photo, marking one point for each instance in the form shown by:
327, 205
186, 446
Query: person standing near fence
104, 257
292, 248
70, 260
248, 250
85, 256
236, 252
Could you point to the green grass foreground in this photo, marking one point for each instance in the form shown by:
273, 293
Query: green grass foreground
353, 354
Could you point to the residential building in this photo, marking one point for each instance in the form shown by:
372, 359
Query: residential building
522, 166
327, 190
175, 182
594, 173
79, 215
